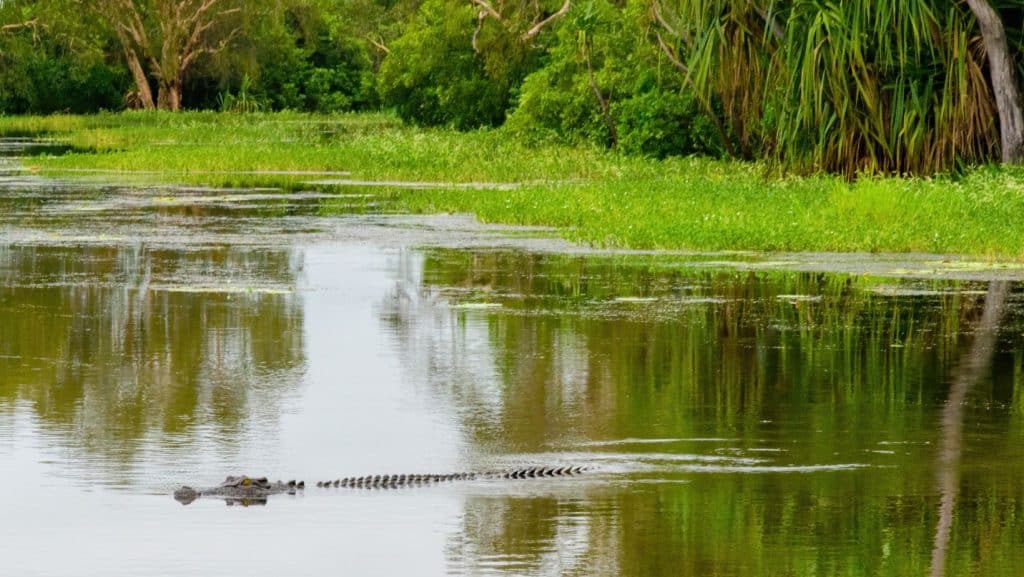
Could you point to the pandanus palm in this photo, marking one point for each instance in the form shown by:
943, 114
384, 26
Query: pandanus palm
855, 86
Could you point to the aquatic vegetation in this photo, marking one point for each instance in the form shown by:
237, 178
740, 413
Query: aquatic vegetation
592, 196
705, 205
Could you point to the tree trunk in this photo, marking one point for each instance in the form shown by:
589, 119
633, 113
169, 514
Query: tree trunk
168, 37
1004, 83
169, 97
143, 91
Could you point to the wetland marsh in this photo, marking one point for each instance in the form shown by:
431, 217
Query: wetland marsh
589, 195
745, 414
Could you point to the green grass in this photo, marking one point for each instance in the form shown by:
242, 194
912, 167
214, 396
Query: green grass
592, 195
372, 146
702, 205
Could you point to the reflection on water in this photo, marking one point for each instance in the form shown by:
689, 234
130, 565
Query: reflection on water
737, 422
100, 345
730, 382
974, 363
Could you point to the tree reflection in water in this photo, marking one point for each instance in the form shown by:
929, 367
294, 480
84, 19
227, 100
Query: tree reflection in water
974, 365
113, 347
811, 368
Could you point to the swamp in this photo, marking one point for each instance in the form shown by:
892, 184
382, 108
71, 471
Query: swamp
561, 288
739, 413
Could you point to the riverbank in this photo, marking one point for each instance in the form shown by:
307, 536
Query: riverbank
591, 195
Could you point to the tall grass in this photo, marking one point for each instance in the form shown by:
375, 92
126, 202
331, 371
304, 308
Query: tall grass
373, 146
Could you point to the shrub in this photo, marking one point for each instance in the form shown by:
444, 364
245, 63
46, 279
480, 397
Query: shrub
661, 124
603, 48
434, 77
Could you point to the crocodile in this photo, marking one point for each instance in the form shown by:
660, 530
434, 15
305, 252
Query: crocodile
240, 490
246, 490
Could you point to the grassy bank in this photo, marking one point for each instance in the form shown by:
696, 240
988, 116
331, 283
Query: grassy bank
371, 146
592, 195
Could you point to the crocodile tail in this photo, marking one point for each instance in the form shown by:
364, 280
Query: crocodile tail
541, 472
412, 480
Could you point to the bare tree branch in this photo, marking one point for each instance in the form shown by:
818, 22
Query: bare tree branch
168, 35
378, 44
533, 32
479, 26
33, 24
199, 30
224, 42
602, 102
1004, 80
489, 9
656, 12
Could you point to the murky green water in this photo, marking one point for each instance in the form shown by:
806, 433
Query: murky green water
741, 419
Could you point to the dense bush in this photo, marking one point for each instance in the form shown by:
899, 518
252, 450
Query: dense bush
660, 124
296, 61
434, 77
40, 76
317, 72
603, 81
556, 103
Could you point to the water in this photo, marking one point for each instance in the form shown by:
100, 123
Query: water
749, 417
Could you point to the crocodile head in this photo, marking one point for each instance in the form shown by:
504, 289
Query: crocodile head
242, 488
245, 483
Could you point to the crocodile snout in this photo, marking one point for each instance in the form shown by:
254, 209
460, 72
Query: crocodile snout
186, 495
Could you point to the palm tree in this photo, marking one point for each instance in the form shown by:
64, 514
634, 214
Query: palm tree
851, 87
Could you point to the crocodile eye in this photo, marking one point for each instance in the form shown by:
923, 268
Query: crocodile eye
246, 482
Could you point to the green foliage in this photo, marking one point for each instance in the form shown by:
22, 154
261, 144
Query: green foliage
662, 124
601, 47
432, 76
454, 67
846, 87
243, 101
556, 103
46, 70
559, 101
319, 71
34, 82
296, 58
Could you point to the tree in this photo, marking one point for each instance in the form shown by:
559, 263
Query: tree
307, 59
850, 87
525, 21
603, 81
51, 60
1004, 82
168, 36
